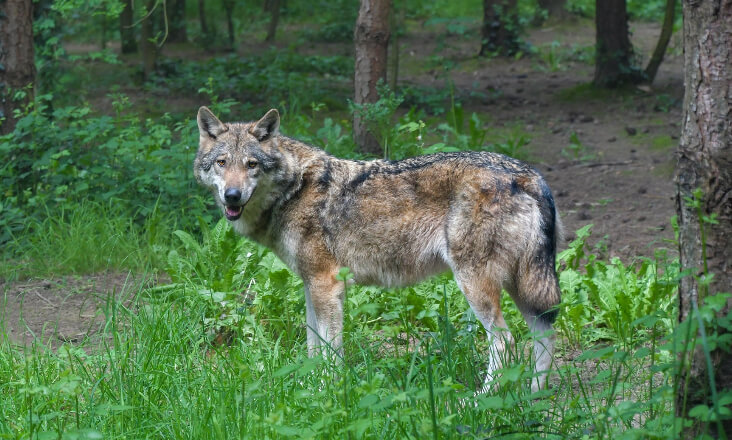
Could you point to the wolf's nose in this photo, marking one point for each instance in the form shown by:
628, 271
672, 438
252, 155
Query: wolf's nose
232, 195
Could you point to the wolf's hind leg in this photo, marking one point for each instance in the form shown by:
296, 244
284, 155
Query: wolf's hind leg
538, 298
543, 334
484, 296
324, 297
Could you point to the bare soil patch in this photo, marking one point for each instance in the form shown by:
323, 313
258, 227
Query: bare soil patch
69, 309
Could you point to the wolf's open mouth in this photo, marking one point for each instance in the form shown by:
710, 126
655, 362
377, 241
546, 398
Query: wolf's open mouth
233, 212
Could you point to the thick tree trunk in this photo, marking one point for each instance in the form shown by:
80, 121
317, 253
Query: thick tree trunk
663, 39
177, 29
613, 50
372, 40
126, 31
705, 162
17, 64
500, 28
274, 9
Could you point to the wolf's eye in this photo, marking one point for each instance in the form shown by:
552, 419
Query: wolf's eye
252, 164
221, 162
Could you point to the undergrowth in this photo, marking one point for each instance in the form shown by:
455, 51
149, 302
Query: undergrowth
90, 237
220, 353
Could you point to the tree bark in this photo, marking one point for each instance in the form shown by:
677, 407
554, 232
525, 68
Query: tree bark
500, 28
371, 36
177, 29
274, 9
148, 47
202, 18
663, 39
17, 64
229, 10
613, 50
126, 31
705, 162
396, 23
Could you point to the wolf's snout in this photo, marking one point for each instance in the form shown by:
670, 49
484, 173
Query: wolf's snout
232, 195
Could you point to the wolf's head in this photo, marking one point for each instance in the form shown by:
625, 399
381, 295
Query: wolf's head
234, 159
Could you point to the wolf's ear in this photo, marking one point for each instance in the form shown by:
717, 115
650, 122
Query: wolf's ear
208, 124
266, 127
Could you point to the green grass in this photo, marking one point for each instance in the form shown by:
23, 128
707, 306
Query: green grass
157, 376
86, 238
663, 142
220, 353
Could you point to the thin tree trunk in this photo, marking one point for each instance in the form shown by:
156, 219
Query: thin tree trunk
126, 32
500, 28
177, 29
17, 62
663, 39
371, 36
274, 9
202, 18
103, 34
148, 46
396, 22
614, 52
705, 162
229, 9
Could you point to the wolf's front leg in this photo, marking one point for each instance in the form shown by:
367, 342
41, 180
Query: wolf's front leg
324, 297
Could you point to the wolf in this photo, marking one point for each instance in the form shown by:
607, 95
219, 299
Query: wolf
488, 218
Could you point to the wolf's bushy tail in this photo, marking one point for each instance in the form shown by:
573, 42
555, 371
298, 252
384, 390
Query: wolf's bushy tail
538, 285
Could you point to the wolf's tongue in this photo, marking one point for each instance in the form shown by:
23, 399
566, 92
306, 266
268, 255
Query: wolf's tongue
233, 210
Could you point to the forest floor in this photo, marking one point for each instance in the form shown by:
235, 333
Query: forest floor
618, 177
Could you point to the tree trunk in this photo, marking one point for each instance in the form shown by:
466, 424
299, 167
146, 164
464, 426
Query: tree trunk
103, 31
17, 64
229, 10
614, 53
372, 40
705, 162
500, 28
147, 45
177, 30
274, 9
396, 23
202, 18
126, 31
663, 39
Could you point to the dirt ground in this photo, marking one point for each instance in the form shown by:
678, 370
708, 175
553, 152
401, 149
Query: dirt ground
68, 309
620, 179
